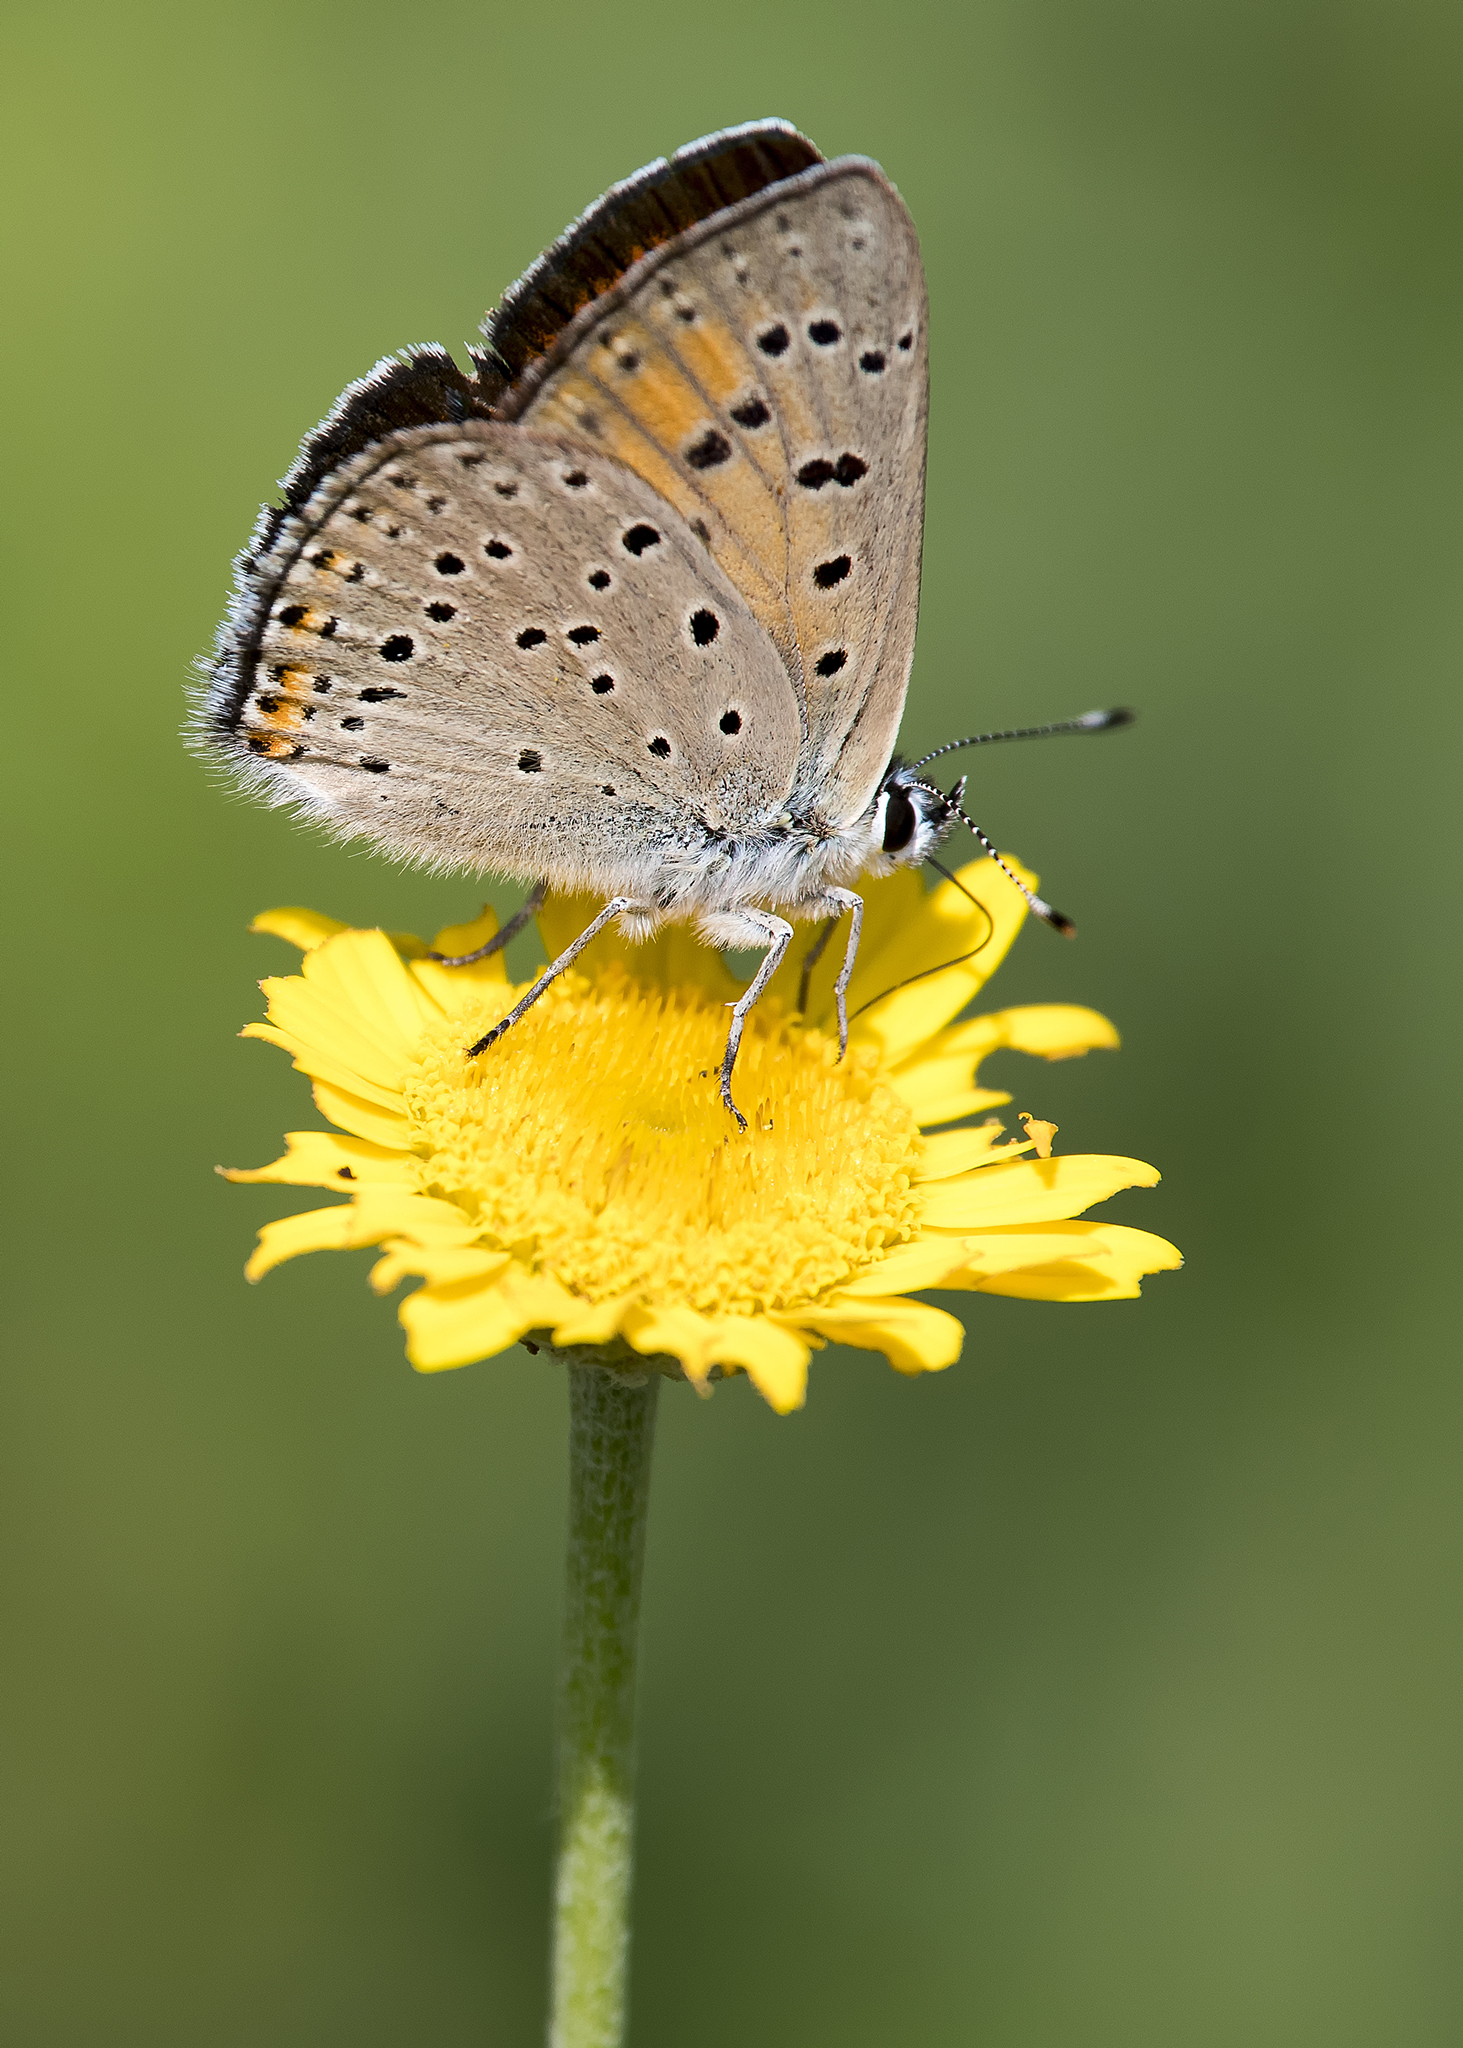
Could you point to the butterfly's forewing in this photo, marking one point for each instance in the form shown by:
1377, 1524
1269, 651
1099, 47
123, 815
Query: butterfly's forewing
491, 646
765, 372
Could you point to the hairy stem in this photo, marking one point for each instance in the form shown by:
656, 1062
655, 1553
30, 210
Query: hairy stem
611, 1426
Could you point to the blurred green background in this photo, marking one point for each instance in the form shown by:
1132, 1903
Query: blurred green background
1103, 1690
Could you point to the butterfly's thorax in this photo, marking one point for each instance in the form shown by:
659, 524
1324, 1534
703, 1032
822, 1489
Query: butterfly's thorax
783, 866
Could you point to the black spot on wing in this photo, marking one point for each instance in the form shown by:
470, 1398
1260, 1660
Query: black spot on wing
712, 448
820, 471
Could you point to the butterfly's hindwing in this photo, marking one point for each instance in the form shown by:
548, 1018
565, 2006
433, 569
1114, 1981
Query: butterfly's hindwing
488, 645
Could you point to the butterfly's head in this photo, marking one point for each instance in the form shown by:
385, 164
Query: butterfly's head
910, 817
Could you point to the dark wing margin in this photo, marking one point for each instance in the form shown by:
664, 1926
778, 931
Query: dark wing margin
424, 387
635, 216
421, 387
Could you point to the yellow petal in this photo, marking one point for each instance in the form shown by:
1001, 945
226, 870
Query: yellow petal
321, 1159
308, 929
382, 1125
361, 975
1054, 1031
1070, 1281
323, 1031
1057, 1031
593, 1322
452, 988
438, 1264
466, 938
453, 1324
913, 1336
356, 1011
939, 1091
674, 958
457, 1323
1031, 1190
937, 1079
379, 1214
303, 928
422, 1217
320, 1065
1111, 1256
949, 926
954, 1152
316, 1230
910, 1268
774, 1359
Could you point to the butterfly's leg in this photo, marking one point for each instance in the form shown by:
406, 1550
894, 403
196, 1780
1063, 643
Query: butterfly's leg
555, 968
531, 908
811, 958
846, 900
779, 933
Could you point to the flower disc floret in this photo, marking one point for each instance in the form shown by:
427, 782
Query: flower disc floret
594, 1144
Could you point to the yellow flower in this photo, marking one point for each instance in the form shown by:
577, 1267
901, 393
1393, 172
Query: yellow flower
581, 1182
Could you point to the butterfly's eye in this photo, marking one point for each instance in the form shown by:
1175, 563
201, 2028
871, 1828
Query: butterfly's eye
899, 820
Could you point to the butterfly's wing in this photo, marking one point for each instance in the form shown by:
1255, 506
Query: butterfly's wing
799, 467
765, 370
490, 647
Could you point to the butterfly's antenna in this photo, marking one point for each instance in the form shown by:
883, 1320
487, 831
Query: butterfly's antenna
960, 958
1090, 721
1039, 905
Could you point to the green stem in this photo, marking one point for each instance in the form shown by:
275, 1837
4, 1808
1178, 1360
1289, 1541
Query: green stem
611, 1426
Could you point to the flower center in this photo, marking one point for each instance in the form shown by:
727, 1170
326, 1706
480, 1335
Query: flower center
592, 1142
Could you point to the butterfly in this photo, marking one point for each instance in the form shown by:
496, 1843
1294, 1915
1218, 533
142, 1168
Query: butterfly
631, 606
